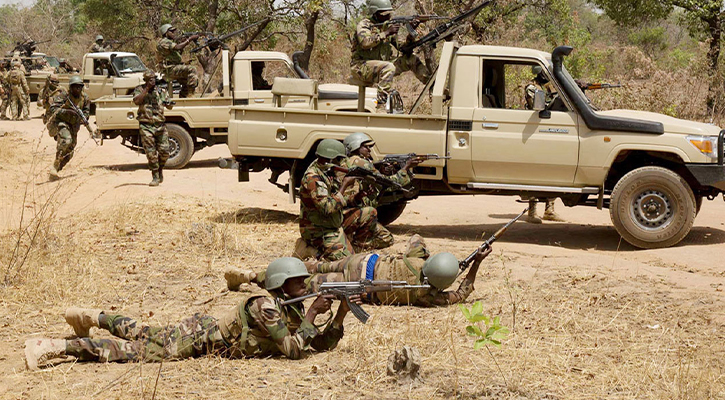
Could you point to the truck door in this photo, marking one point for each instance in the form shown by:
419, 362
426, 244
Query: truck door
262, 77
511, 144
98, 77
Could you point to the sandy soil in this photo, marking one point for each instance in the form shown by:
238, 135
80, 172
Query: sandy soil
590, 315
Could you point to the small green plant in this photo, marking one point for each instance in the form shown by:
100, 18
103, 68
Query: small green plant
491, 333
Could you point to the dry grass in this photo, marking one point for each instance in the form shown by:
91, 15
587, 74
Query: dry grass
578, 333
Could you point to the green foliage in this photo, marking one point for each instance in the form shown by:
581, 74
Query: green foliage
634, 12
492, 332
651, 40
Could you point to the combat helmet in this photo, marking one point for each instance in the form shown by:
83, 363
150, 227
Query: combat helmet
330, 149
282, 269
99, 37
53, 78
379, 5
75, 80
441, 270
164, 28
148, 75
539, 73
353, 141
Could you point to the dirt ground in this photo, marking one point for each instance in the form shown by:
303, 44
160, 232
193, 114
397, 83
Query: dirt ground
590, 316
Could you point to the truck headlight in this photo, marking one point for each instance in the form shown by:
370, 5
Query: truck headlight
706, 144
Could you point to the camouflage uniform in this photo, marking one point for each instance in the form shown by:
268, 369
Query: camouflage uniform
19, 92
45, 98
373, 60
531, 89
67, 123
4, 94
258, 327
399, 267
361, 219
97, 48
152, 127
171, 63
321, 215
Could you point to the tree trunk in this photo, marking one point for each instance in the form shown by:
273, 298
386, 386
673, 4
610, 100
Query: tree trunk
713, 56
207, 59
310, 22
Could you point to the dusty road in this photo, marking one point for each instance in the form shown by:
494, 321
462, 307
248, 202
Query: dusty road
689, 277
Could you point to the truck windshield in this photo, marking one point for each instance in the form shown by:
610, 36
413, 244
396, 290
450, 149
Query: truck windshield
128, 64
52, 61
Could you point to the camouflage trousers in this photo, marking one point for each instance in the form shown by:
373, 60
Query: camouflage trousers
18, 106
382, 72
67, 138
363, 229
194, 336
185, 75
4, 107
332, 244
155, 142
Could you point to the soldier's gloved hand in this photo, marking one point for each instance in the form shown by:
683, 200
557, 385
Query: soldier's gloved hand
483, 254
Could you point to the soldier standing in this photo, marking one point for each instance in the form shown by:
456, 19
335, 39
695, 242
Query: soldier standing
260, 326
151, 101
363, 213
98, 46
372, 51
415, 266
51, 89
321, 203
4, 92
19, 92
169, 58
66, 122
540, 82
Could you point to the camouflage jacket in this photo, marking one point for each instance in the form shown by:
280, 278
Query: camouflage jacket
398, 267
4, 85
320, 203
370, 43
372, 189
63, 112
151, 111
166, 53
532, 87
97, 48
261, 327
17, 81
48, 92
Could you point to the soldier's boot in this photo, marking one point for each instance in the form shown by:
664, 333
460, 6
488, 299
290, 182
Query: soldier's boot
550, 214
155, 181
39, 350
82, 320
235, 277
161, 174
303, 251
382, 101
53, 173
531, 216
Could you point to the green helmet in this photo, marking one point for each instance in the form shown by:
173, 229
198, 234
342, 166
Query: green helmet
536, 69
330, 149
164, 28
441, 270
282, 269
379, 5
149, 74
99, 37
75, 80
353, 141
53, 78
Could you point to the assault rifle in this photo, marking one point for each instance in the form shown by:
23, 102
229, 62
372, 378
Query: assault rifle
399, 160
215, 42
359, 172
408, 22
444, 30
598, 86
343, 291
466, 262
83, 118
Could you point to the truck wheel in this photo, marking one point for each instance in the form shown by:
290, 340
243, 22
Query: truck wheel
181, 146
652, 207
698, 204
390, 212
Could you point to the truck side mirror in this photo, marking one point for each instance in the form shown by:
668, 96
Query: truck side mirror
540, 104
106, 72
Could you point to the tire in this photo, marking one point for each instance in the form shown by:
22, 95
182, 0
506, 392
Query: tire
698, 204
181, 147
388, 213
652, 207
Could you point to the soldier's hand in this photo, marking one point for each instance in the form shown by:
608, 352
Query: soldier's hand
414, 24
392, 30
483, 254
343, 308
347, 182
321, 304
412, 163
193, 37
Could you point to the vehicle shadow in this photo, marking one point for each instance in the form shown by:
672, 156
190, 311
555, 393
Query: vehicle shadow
569, 236
210, 163
255, 215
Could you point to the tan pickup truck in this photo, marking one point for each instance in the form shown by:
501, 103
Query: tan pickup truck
198, 122
652, 171
103, 74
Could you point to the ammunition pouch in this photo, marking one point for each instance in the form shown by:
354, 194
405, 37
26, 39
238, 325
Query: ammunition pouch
233, 325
